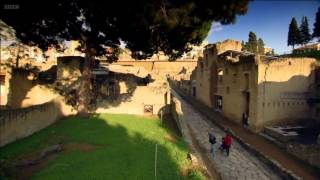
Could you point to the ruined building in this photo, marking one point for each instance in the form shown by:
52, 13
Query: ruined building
268, 90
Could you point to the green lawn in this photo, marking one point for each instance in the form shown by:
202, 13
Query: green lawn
124, 148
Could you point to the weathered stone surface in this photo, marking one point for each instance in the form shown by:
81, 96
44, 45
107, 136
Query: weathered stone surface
225, 71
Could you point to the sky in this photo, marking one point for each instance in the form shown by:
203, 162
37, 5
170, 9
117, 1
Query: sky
269, 19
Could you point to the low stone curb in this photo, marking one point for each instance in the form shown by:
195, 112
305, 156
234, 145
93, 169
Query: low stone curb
273, 164
186, 133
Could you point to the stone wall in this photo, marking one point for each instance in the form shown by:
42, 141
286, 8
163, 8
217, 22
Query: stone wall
179, 118
206, 70
24, 91
283, 87
5, 72
132, 97
226, 45
19, 123
238, 89
135, 101
161, 68
271, 90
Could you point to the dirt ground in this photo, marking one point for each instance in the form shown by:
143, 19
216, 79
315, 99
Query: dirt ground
25, 172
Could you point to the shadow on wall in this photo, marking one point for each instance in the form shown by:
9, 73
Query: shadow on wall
108, 90
287, 102
114, 150
49, 76
291, 101
19, 123
20, 84
113, 89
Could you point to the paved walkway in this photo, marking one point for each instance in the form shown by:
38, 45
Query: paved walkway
278, 156
240, 164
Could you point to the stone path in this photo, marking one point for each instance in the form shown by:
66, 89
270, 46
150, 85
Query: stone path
240, 164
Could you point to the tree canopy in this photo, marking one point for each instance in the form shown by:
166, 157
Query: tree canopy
252, 44
316, 29
146, 27
294, 36
304, 31
260, 46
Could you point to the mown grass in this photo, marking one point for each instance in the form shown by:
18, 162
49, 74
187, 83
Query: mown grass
124, 149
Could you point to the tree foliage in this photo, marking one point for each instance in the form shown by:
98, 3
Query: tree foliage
252, 45
260, 46
145, 26
316, 29
304, 31
294, 36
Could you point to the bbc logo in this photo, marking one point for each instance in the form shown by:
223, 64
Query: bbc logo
11, 6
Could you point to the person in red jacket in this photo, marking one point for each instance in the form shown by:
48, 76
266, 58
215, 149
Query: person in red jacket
227, 141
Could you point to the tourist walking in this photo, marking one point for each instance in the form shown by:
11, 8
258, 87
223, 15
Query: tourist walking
226, 143
212, 141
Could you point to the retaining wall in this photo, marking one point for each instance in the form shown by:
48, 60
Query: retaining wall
19, 123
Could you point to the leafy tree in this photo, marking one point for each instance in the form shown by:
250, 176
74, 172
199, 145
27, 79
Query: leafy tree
260, 46
294, 36
146, 27
316, 29
252, 45
304, 31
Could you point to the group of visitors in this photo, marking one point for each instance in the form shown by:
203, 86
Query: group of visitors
225, 143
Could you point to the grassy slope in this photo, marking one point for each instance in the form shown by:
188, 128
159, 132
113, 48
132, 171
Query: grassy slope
125, 149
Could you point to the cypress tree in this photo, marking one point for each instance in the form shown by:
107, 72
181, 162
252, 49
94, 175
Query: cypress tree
260, 46
316, 29
304, 30
252, 44
294, 37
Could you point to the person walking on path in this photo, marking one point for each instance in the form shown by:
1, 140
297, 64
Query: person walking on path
212, 141
227, 141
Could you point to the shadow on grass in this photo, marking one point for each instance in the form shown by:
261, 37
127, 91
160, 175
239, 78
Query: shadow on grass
124, 149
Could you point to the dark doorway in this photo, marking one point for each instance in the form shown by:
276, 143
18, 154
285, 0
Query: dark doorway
218, 102
247, 103
166, 98
194, 91
245, 115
